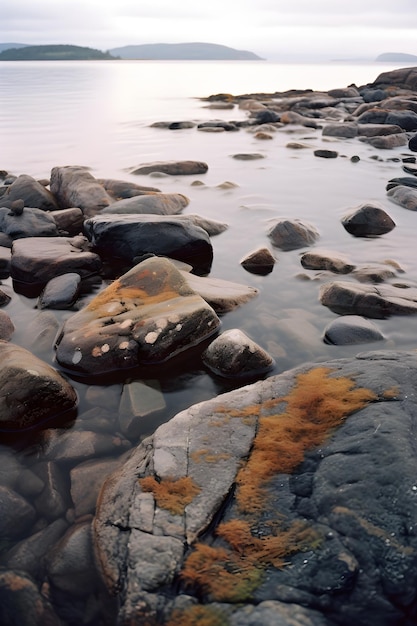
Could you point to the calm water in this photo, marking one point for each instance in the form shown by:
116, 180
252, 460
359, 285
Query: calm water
98, 115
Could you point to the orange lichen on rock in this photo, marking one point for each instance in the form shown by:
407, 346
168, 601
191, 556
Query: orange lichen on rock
197, 615
391, 394
172, 495
314, 407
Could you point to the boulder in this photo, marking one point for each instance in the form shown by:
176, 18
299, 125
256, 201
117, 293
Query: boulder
30, 223
158, 204
36, 260
260, 261
74, 186
69, 221
378, 302
405, 77
60, 292
367, 220
326, 260
405, 196
17, 515
22, 603
345, 129
406, 181
120, 189
386, 142
31, 192
145, 317
288, 501
131, 236
234, 355
350, 330
326, 154
290, 234
407, 120
31, 390
375, 130
172, 168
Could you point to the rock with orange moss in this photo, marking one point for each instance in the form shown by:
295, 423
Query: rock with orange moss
145, 317
288, 501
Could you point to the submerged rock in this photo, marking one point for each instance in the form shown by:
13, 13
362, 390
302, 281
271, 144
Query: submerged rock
172, 168
147, 316
378, 302
326, 260
351, 329
290, 234
157, 203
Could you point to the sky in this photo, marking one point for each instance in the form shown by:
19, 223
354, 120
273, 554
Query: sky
273, 29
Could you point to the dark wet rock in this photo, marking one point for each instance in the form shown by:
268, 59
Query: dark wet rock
54, 500
217, 124
5, 260
266, 116
367, 220
373, 95
405, 196
406, 181
344, 92
70, 564
181, 125
69, 221
158, 204
60, 292
326, 260
354, 494
378, 302
30, 390
326, 154
74, 186
376, 130
373, 115
172, 168
146, 316
260, 261
86, 481
222, 295
29, 554
120, 189
22, 603
36, 260
17, 515
131, 236
350, 330
412, 144
346, 129
5, 298
386, 142
139, 401
31, 223
410, 168
290, 234
31, 192
6, 327
233, 355
5, 240
248, 156
407, 120
405, 78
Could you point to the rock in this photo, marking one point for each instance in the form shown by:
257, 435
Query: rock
69, 221
41, 332
139, 400
407, 120
212, 227
373, 95
70, 564
86, 481
376, 130
260, 261
74, 186
351, 329
60, 292
345, 129
292, 117
132, 236
367, 220
341, 548
344, 92
374, 272
180, 125
368, 300
31, 390
233, 354
262, 135
22, 603
217, 124
148, 315
54, 500
17, 515
290, 234
4, 298
29, 554
326, 154
412, 144
248, 156
5, 261
31, 192
326, 260
172, 168
266, 116
404, 196
374, 115
406, 181
386, 142
405, 77
158, 204
120, 189
36, 260
6, 327
222, 295
31, 223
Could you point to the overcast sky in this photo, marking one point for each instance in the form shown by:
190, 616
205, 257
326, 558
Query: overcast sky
274, 29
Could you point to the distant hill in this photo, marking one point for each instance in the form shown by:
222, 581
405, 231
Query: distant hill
396, 57
184, 51
6, 46
52, 53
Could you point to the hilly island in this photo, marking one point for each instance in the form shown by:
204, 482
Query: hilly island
180, 51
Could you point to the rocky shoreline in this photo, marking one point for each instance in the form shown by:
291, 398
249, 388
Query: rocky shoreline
325, 534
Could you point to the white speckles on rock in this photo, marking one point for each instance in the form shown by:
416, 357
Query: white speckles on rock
151, 337
77, 356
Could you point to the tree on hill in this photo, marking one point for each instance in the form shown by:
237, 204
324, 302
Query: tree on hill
54, 53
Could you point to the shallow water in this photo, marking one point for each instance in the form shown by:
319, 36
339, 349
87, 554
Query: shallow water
99, 114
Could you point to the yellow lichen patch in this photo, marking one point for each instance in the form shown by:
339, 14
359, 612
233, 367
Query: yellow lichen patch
197, 615
172, 495
208, 456
391, 394
314, 407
